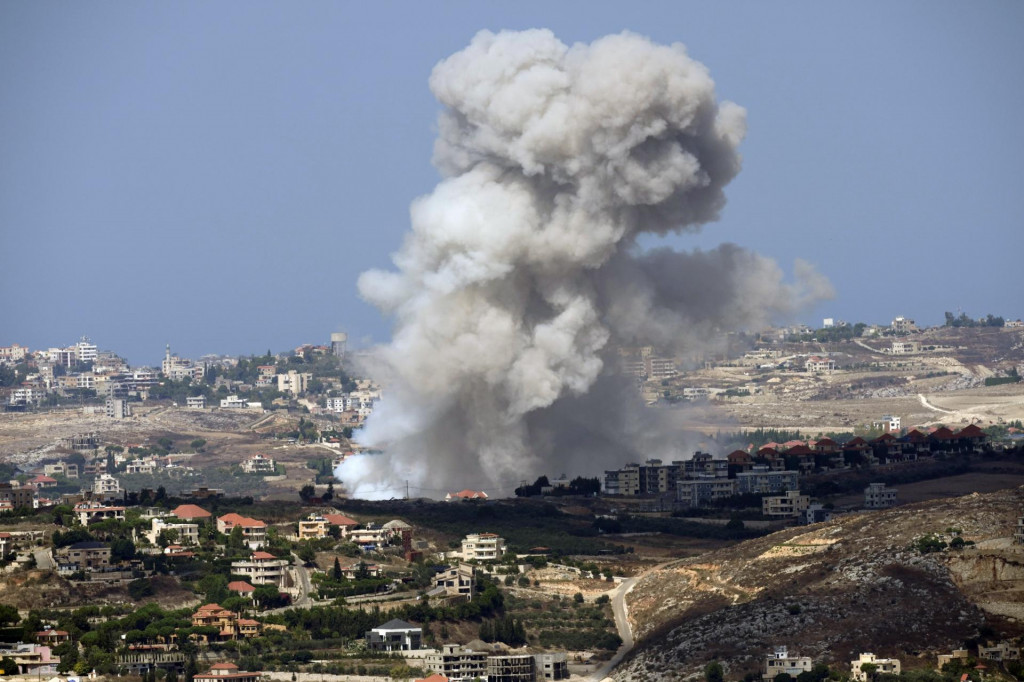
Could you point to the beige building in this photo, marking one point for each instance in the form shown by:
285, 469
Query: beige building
293, 382
781, 662
790, 504
886, 666
457, 663
879, 496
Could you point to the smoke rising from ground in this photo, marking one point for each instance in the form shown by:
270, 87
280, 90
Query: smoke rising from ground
521, 275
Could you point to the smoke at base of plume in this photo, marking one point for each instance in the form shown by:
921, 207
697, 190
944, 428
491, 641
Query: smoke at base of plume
521, 276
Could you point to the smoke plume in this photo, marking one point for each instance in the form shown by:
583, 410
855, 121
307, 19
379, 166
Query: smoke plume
521, 275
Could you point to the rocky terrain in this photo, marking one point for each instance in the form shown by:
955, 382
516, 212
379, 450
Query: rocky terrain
857, 583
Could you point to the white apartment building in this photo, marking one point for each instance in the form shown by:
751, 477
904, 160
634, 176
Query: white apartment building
86, 350
196, 402
258, 464
106, 487
13, 354
176, 368
483, 547
234, 402
28, 394
188, 533
262, 568
293, 382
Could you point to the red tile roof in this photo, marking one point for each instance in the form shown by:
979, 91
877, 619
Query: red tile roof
191, 511
262, 555
240, 586
340, 520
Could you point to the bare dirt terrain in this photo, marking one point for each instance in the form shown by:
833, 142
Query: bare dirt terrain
821, 590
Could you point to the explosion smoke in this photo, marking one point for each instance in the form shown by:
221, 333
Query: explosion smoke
521, 275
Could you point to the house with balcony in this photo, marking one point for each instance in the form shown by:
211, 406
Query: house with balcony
483, 547
227, 672
780, 661
91, 512
882, 666
253, 530
262, 568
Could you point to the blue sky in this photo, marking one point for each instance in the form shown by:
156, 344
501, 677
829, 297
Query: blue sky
216, 175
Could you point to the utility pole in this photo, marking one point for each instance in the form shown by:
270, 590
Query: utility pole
407, 489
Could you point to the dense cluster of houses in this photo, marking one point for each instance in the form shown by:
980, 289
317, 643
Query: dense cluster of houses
776, 468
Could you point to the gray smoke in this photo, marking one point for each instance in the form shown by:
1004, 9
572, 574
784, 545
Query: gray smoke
521, 276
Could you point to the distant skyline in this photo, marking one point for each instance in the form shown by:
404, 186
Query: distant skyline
216, 176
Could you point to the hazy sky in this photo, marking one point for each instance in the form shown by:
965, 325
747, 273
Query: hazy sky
216, 175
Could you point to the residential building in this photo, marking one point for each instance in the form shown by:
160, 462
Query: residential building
1018, 535
258, 464
233, 402
65, 469
253, 530
762, 479
18, 495
394, 635
879, 496
906, 347
781, 662
241, 588
789, 505
184, 533
262, 568
106, 487
956, 655
293, 382
483, 547
1003, 651
883, 666
12, 354
227, 672
91, 512
819, 364
142, 658
176, 368
84, 556
319, 526
699, 491
816, 513
902, 325
43, 481
457, 663
31, 659
456, 580
197, 402
190, 512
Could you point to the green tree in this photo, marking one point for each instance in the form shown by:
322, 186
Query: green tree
307, 553
9, 615
336, 573
713, 672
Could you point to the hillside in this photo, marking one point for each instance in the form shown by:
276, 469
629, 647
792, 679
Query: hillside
832, 590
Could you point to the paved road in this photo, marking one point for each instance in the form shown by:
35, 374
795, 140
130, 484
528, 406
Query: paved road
44, 559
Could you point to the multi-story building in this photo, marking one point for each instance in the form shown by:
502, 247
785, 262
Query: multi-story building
761, 479
781, 662
394, 635
882, 666
879, 496
902, 325
552, 666
319, 525
456, 581
262, 568
30, 659
176, 368
186, 533
457, 663
84, 556
106, 487
511, 668
12, 354
93, 511
258, 464
483, 547
293, 382
791, 504
18, 495
65, 469
817, 363
197, 402
118, 408
699, 491
253, 530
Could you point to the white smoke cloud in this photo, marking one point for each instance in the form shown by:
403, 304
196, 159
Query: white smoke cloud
521, 275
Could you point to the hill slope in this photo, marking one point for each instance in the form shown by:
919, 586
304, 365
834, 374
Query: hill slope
832, 590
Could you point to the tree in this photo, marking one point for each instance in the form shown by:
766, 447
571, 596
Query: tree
336, 573
329, 495
307, 553
307, 493
713, 672
869, 669
9, 615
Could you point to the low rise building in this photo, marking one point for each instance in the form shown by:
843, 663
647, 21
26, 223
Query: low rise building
182, 533
780, 661
456, 581
511, 668
227, 672
197, 402
253, 530
395, 635
91, 512
83, 556
1003, 651
867, 666
258, 464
